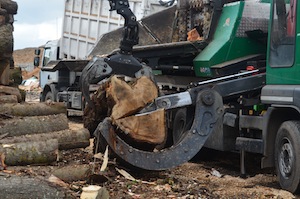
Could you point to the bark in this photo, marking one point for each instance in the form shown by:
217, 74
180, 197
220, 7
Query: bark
10, 6
38, 109
33, 125
4, 75
6, 41
25, 153
11, 91
67, 139
23, 187
148, 127
73, 173
7, 99
128, 99
92, 116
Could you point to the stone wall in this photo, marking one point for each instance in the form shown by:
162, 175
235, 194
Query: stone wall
8, 9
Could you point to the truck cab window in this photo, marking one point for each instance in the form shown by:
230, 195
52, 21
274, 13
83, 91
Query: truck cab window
47, 55
282, 44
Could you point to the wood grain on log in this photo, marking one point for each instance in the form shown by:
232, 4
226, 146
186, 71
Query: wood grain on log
25, 153
148, 127
7, 99
11, 91
33, 125
130, 98
67, 139
37, 109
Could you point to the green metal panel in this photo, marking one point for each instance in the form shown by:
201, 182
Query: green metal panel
285, 75
225, 46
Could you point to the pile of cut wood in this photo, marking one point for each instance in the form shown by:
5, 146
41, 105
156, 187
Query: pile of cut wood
8, 9
33, 133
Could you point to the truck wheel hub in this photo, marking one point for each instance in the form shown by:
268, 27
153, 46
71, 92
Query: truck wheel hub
286, 159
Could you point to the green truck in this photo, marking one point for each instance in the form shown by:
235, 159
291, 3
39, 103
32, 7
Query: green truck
236, 89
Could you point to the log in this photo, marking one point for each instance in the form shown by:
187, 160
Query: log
10, 6
21, 187
7, 99
33, 125
37, 109
25, 153
4, 77
67, 139
128, 99
92, 116
6, 41
148, 127
11, 91
73, 173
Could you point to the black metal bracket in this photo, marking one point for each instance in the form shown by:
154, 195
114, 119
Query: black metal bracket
208, 112
131, 29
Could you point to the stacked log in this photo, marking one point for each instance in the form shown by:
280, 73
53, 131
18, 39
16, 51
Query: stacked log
29, 135
8, 9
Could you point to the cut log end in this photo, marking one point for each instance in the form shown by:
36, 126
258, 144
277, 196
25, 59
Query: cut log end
148, 128
129, 98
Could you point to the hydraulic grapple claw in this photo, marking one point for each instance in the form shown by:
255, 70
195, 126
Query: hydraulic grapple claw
100, 68
96, 70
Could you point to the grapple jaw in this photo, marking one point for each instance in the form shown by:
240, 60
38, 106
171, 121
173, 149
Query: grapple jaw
100, 68
207, 115
96, 70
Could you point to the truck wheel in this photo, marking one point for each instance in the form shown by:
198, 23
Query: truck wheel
49, 96
287, 155
182, 122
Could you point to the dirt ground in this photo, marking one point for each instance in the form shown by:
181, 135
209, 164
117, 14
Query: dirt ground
210, 175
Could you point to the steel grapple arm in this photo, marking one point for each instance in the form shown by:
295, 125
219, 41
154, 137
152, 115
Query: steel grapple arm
131, 31
209, 110
120, 63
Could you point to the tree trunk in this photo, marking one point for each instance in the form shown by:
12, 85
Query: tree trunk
23, 187
7, 99
11, 91
148, 128
33, 125
25, 153
38, 109
67, 139
128, 99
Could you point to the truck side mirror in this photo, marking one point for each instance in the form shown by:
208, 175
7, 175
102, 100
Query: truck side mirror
37, 51
36, 61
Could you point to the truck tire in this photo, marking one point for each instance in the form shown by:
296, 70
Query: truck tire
49, 96
182, 122
287, 155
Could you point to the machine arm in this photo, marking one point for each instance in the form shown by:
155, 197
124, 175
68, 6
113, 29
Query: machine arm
121, 62
131, 30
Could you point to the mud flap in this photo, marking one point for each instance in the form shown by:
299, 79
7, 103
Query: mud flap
209, 109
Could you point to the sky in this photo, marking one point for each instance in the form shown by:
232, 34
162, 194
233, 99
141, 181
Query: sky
37, 22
